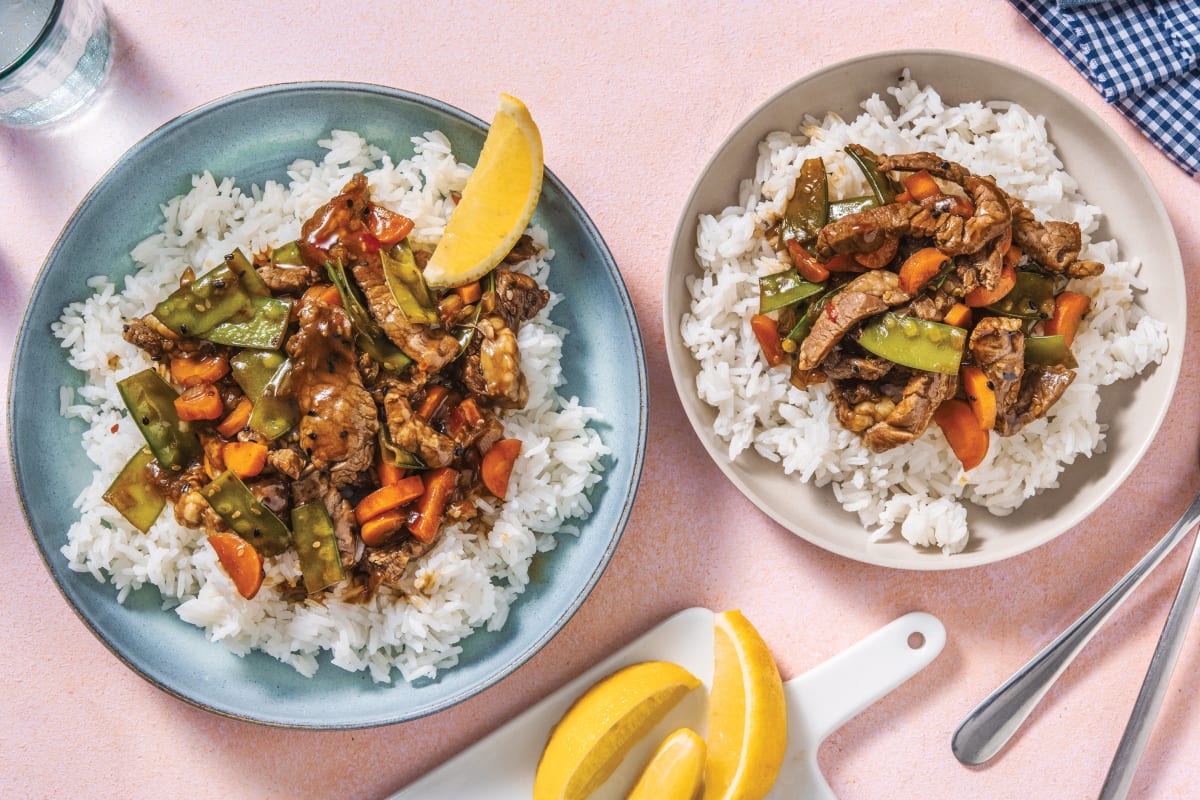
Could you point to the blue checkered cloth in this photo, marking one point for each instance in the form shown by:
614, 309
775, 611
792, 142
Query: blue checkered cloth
1143, 56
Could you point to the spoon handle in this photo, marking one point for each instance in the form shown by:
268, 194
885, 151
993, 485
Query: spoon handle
1162, 663
993, 722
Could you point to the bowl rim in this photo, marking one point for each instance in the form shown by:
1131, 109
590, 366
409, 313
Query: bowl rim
636, 458
678, 357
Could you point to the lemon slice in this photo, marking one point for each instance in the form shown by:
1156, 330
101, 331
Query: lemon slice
675, 771
597, 732
497, 202
747, 714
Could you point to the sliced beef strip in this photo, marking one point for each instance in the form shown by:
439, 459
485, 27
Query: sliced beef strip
409, 432
841, 365
931, 306
315, 487
1041, 388
287, 461
859, 404
867, 295
523, 250
338, 421
518, 297
1054, 245
983, 268
864, 231
388, 564
288, 278
998, 347
432, 348
148, 334
272, 492
923, 393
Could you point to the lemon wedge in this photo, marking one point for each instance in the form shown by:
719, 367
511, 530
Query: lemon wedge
675, 771
747, 714
497, 202
598, 731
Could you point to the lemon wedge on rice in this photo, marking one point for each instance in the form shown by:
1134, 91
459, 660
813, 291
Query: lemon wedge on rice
597, 732
747, 717
675, 771
497, 202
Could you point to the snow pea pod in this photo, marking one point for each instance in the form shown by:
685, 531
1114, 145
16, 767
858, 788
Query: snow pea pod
370, 337
265, 330
215, 297
1031, 298
133, 493
881, 185
407, 284
246, 273
850, 205
783, 289
151, 403
248, 517
253, 369
1049, 351
287, 255
808, 209
316, 545
396, 456
275, 410
914, 342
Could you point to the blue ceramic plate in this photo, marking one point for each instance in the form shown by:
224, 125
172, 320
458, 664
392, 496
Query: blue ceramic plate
253, 136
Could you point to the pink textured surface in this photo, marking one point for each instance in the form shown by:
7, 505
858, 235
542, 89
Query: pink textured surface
631, 101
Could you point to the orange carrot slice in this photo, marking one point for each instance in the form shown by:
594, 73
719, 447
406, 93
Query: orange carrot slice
498, 465
389, 498
201, 401
1069, 308
246, 459
378, 530
766, 330
959, 316
190, 371
236, 420
981, 396
967, 439
439, 485
240, 560
980, 297
921, 267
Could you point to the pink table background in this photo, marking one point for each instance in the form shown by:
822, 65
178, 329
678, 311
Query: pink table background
631, 101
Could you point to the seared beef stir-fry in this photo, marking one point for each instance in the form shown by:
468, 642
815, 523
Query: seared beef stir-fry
942, 299
321, 397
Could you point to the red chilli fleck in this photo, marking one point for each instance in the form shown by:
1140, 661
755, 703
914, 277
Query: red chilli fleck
115, 428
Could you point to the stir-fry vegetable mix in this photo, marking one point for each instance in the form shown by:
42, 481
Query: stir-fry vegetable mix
936, 298
320, 397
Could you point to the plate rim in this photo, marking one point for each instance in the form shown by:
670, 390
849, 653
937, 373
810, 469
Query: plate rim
636, 458
678, 356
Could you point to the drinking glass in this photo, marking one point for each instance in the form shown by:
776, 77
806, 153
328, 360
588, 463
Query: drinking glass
54, 54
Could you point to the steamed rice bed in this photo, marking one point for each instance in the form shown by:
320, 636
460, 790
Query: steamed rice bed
473, 574
918, 490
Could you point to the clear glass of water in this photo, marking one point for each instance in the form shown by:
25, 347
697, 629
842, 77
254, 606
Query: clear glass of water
54, 54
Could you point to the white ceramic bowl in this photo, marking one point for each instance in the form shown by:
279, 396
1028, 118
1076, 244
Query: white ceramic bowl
1109, 176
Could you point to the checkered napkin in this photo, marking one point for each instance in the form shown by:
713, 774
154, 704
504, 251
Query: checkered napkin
1143, 56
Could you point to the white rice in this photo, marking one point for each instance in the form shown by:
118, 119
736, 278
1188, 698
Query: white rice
471, 577
919, 487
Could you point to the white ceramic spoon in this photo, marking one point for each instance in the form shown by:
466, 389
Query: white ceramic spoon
502, 764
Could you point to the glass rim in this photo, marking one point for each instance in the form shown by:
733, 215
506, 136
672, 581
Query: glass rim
36, 44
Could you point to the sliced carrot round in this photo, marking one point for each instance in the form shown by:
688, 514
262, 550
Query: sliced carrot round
980, 297
498, 465
981, 396
240, 560
967, 439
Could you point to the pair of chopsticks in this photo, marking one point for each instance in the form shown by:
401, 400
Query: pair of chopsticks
1154, 687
